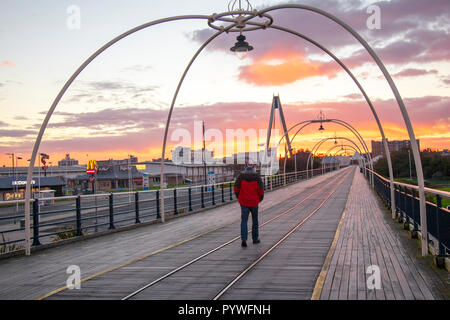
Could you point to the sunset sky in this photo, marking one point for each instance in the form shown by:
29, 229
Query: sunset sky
119, 104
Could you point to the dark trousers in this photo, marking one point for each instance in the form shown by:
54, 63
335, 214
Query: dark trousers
245, 211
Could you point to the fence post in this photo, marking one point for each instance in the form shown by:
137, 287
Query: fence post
397, 199
175, 209
36, 241
158, 210
414, 232
212, 195
203, 197
231, 191
407, 219
441, 251
223, 195
78, 211
111, 211
136, 207
190, 199
401, 204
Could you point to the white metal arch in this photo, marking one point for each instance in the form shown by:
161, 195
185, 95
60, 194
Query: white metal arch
319, 144
401, 105
252, 14
343, 123
347, 146
61, 94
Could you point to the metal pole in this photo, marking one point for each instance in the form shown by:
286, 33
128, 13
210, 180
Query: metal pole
369, 102
166, 130
61, 94
401, 105
295, 164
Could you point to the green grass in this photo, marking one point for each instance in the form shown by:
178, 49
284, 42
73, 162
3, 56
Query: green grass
445, 202
436, 184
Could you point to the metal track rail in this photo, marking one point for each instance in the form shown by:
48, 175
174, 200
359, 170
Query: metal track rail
339, 179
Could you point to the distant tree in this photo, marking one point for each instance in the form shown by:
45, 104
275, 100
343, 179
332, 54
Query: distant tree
434, 165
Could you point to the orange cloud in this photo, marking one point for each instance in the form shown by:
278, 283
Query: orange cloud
7, 64
279, 67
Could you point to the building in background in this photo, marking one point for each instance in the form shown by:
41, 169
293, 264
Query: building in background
14, 188
184, 155
67, 162
112, 175
395, 145
176, 174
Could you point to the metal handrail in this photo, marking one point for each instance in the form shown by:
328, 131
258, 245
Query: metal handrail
120, 210
441, 193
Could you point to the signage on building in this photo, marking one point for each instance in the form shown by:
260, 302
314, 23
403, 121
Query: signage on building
8, 196
44, 163
145, 181
211, 179
21, 183
91, 167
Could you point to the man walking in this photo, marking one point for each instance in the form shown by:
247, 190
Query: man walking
250, 192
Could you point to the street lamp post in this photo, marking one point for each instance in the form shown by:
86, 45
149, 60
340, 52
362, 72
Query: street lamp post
240, 21
14, 182
295, 162
129, 175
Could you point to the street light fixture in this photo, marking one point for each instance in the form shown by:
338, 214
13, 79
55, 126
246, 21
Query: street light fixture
321, 117
241, 47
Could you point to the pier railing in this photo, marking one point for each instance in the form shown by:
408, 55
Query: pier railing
407, 209
60, 218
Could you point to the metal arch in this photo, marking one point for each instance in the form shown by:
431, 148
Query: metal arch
319, 144
61, 94
414, 146
383, 137
166, 131
368, 154
344, 124
336, 121
337, 154
324, 49
401, 105
344, 145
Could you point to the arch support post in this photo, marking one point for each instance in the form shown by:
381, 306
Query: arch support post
401, 105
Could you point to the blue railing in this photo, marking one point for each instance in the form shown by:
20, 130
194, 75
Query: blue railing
59, 218
407, 208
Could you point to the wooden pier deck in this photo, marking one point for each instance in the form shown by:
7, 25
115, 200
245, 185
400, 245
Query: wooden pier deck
368, 236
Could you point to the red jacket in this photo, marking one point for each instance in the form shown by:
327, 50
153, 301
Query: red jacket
249, 189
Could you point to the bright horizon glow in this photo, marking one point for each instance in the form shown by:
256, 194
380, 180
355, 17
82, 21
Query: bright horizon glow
118, 105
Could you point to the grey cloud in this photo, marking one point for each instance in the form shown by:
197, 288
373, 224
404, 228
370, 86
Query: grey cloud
138, 68
16, 133
410, 19
117, 85
411, 72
